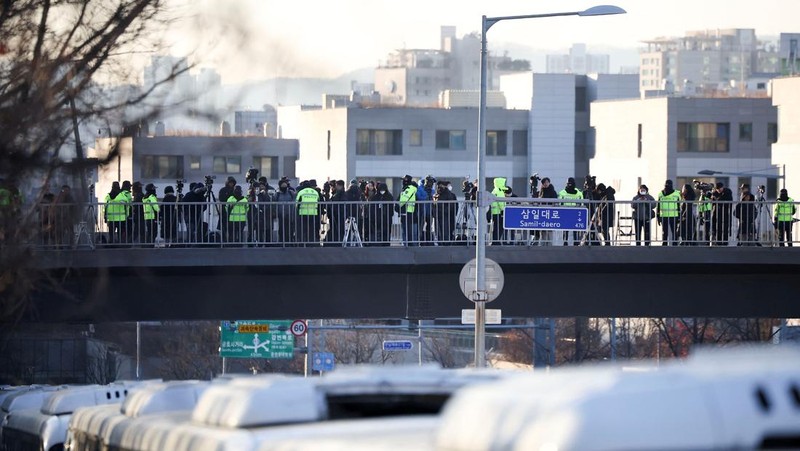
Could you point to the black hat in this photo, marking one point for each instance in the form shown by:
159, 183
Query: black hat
150, 188
169, 189
783, 191
407, 178
720, 185
571, 181
126, 185
231, 180
668, 183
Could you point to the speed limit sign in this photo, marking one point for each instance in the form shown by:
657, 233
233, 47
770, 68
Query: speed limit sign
298, 328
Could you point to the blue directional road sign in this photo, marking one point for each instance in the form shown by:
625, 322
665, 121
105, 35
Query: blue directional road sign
322, 361
546, 218
397, 345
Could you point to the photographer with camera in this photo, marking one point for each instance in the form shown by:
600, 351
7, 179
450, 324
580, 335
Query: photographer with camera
721, 206
704, 210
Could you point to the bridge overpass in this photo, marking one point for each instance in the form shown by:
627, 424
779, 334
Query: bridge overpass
414, 282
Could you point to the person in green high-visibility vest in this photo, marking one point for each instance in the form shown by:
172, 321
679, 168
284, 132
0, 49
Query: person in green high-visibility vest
406, 208
151, 210
784, 217
667, 211
308, 214
497, 209
237, 207
570, 193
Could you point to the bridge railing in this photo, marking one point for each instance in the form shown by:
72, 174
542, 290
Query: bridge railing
393, 223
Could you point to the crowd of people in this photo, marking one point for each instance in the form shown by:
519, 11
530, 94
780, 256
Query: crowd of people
429, 213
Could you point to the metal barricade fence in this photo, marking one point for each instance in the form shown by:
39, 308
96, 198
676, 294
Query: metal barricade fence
389, 223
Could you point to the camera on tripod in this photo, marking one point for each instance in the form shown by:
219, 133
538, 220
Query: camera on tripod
252, 176
535, 179
590, 182
179, 185
703, 187
210, 180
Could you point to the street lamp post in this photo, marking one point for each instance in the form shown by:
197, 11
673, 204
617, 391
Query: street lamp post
480, 297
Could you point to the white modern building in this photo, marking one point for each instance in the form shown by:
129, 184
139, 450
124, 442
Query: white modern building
651, 140
561, 141
162, 160
386, 143
786, 151
578, 62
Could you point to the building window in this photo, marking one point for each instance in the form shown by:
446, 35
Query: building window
162, 167
415, 138
746, 132
451, 139
379, 142
520, 144
703, 137
267, 166
228, 165
194, 162
772, 132
580, 98
639, 141
496, 142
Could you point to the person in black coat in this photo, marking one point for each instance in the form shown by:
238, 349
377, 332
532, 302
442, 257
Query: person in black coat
445, 208
746, 213
381, 211
605, 196
336, 214
169, 215
721, 206
193, 208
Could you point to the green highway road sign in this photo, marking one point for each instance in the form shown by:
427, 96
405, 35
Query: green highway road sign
256, 339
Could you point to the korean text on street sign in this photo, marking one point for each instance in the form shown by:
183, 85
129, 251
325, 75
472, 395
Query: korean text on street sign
546, 218
256, 339
397, 345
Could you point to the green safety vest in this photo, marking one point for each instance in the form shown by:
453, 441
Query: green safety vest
117, 208
308, 199
668, 204
565, 195
408, 198
5, 197
784, 210
237, 209
150, 206
498, 207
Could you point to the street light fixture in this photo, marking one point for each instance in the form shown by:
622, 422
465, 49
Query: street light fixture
483, 195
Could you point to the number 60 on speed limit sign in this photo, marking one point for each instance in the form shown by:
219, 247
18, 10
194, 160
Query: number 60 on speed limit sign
298, 328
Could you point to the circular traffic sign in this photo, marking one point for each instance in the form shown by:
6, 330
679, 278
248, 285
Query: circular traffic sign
298, 328
494, 279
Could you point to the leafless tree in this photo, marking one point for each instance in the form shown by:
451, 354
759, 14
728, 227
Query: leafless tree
53, 56
191, 350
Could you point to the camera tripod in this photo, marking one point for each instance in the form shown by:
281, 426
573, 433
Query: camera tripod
765, 229
351, 236
211, 201
82, 229
465, 221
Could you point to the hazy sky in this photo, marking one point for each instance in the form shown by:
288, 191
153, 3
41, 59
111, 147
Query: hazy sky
255, 39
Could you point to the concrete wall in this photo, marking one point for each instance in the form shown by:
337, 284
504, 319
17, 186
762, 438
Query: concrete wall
786, 97
552, 127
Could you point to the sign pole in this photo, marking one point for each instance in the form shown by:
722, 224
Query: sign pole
308, 350
480, 334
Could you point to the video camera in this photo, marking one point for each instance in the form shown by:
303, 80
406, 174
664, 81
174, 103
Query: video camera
590, 182
210, 180
535, 179
703, 187
252, 176
179, 185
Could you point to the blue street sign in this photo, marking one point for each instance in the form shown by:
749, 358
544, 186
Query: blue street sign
322, 361
546, 218
397, 345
